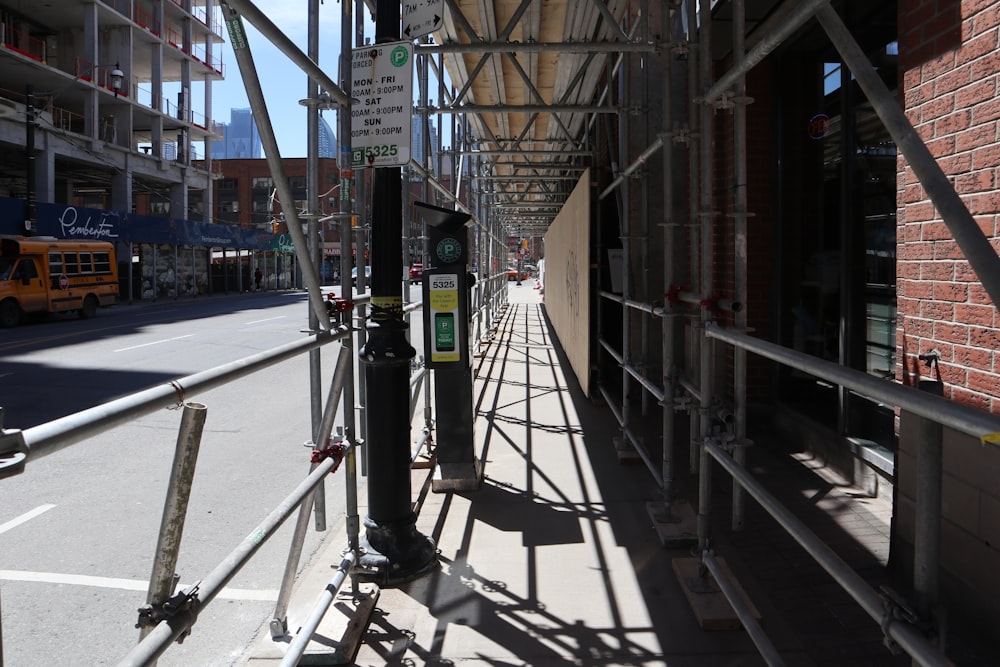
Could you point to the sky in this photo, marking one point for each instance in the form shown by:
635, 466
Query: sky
282, 82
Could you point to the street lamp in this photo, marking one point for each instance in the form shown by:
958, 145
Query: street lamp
117, 77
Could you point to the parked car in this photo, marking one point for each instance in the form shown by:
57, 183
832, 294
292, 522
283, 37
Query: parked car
512, 274
368, 275
416, 272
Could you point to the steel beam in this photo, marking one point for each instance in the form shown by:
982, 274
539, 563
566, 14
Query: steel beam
524, 108
539, 47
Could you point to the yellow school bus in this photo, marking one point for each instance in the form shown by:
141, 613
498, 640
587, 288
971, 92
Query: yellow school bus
41, 274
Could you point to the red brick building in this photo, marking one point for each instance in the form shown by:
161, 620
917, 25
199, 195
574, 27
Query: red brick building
950, 67
245, 194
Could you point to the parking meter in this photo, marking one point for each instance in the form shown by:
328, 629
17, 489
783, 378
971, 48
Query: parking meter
446, 287
446, 336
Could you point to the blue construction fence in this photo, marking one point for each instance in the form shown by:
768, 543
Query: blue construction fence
164, 257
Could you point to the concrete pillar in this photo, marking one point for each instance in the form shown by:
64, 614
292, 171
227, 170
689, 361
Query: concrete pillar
45, 176
121, 191
178, 201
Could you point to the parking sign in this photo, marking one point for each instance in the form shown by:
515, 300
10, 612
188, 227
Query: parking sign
382, 82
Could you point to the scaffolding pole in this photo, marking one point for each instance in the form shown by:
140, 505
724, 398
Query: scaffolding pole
707, 219
251, 82
668, 320
740, 267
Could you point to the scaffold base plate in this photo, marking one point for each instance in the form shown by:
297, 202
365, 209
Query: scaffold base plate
626, 453
707, 601
677, 530
354, 618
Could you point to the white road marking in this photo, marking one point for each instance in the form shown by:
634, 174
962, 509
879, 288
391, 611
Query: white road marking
155, 342
266, 595
27, 516
279, 317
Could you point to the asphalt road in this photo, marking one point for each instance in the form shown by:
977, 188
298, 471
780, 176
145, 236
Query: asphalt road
78, 529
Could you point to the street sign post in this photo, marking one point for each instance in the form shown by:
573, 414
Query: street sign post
382, 82
421, 17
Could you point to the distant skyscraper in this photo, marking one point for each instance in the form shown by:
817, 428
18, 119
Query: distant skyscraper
417, 141
240, 138
327, 139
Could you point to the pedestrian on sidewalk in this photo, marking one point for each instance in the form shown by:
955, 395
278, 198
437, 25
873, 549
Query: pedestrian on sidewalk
257, 277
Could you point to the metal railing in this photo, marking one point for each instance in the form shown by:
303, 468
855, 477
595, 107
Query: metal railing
687, 382
169, 615
932, 409
18, 40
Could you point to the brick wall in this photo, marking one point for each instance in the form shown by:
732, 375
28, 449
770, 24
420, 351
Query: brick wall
951, 97
950, 60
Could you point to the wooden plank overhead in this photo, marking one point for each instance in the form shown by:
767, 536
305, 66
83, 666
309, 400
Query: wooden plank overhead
528, 71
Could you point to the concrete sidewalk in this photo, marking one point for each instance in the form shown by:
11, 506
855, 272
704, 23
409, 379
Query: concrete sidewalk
555, 561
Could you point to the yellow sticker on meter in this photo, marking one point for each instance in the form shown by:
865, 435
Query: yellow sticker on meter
443, 302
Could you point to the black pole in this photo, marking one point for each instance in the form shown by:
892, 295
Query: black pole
29, 149
393, 544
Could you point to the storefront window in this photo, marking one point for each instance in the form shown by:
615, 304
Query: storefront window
838, 239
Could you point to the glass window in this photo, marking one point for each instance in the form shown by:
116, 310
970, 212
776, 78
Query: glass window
102, 262
831, 77
26, 270
838, 230
55, 263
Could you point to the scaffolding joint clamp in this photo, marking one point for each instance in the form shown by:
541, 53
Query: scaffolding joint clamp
187, 600
725, 101
13, 452
894, 609
336, 304
673, 295
334, 450
716, 439
679, 49
724, 441
682, 137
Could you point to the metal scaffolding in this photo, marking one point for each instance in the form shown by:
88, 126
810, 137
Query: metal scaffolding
518, 182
